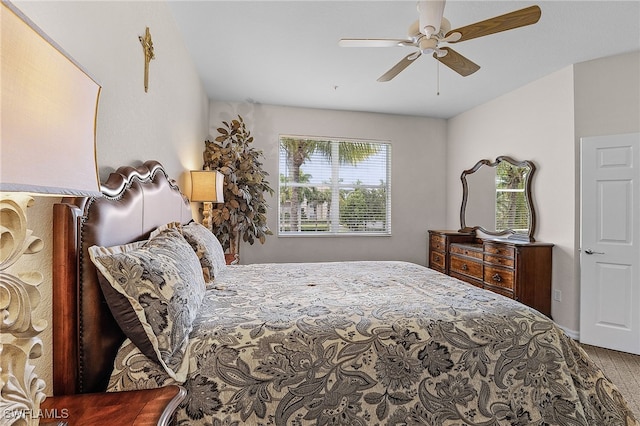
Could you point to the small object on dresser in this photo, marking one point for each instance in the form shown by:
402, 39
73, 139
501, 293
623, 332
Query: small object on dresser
139, 408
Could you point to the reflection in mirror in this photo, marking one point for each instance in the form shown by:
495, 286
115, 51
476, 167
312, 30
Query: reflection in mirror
497, 199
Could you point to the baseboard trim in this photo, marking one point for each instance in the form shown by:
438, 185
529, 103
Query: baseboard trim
575, 335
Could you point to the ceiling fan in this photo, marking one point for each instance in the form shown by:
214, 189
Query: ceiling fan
432, 29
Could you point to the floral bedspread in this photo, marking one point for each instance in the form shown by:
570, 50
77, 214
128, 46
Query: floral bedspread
375, 343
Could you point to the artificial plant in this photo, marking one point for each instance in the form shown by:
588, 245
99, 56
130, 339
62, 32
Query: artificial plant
243, 215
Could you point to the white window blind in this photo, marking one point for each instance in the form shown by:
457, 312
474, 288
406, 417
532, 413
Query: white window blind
334, 187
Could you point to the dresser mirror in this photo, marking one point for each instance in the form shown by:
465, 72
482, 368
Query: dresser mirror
497, 200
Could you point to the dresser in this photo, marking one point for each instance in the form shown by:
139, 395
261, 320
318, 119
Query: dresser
517, 269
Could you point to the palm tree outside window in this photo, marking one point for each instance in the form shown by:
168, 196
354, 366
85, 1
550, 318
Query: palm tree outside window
334, 187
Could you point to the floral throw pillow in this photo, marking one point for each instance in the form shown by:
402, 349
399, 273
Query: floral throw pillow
204, 244
154, 290
207, 247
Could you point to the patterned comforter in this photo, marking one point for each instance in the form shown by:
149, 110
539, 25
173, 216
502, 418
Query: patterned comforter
375, 343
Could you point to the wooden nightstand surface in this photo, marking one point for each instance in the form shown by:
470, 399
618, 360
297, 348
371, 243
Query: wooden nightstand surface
141, 407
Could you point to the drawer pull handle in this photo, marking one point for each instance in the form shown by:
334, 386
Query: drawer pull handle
497, 277
436, 258
465, 267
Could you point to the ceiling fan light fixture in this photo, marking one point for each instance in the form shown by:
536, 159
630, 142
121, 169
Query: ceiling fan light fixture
414, 31
428, 45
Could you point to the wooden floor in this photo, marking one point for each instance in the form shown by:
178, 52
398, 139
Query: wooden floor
623, 370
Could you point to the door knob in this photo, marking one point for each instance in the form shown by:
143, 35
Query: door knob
589, 251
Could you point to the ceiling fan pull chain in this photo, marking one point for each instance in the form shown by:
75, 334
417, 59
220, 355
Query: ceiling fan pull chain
437, 78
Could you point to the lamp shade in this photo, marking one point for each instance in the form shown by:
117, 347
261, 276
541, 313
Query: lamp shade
48, 114
207, 186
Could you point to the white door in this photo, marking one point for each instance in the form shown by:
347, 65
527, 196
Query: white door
610, 242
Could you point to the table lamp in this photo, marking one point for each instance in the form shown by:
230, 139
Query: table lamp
47, 146
207, 186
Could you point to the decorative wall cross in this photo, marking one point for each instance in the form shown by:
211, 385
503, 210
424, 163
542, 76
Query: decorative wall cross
147, 47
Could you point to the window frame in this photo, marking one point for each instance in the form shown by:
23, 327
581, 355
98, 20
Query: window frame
334, 216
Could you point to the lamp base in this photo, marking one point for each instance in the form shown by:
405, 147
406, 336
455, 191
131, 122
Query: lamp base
207, 209
22, 390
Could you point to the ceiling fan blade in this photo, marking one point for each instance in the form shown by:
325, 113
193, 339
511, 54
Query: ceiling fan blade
374, 42
400, 66
509, 21
457, 62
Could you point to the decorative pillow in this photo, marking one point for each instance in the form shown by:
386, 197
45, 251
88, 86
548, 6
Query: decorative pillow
149, 287
205, 244
207, 247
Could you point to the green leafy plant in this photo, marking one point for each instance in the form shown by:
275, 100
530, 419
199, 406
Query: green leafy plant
243, 215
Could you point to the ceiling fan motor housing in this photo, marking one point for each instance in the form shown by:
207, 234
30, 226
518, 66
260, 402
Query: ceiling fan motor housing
430, 13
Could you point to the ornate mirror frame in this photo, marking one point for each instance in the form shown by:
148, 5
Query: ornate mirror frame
510, 233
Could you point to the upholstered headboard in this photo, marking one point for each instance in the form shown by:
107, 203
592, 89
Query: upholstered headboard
85, 336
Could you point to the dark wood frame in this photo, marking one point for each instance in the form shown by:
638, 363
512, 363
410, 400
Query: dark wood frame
528, 196
85, 336
135, 407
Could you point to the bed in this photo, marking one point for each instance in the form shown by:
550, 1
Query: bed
336, 343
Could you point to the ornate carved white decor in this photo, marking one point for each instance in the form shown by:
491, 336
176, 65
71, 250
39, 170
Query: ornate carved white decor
21, 391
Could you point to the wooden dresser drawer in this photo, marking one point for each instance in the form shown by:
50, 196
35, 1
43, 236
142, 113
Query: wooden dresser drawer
471, 250
437, 261
507, 262
499, 249
437, 243
499, 277
466, 266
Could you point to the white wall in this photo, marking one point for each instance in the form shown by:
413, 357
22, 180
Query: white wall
543, 122
532, 123
417, 172
167, 124
607, 93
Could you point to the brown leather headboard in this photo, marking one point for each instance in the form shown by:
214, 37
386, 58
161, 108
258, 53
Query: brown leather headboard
85, 336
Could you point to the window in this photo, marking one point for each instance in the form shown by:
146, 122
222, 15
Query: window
512, 211
334, 187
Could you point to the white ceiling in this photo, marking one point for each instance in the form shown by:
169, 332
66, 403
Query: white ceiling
286, 52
